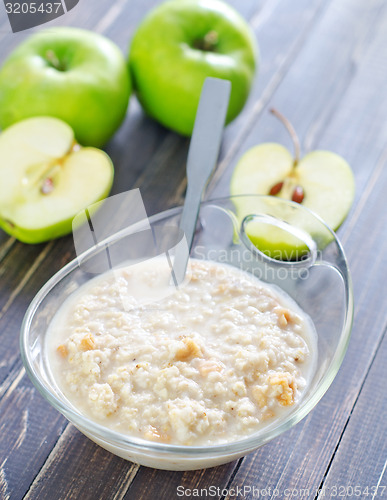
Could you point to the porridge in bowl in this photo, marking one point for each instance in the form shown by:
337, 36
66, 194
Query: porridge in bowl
208, 363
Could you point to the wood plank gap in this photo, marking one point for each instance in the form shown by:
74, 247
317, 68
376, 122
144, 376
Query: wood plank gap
371, 183
261, 15
231, 478
16, 372
323, 124
56, 450
321, 485
295, 447
13, 385
262, 102
48, 460
6, 247
111, 15
5, 30
129, 477
167, 149
26, 278
379, 480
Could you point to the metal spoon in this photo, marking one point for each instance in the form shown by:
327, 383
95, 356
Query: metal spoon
202, 156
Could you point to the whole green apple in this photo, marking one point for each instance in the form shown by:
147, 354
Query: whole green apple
177, 46
72, 74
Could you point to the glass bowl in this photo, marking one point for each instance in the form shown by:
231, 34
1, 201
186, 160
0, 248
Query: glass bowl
319, 282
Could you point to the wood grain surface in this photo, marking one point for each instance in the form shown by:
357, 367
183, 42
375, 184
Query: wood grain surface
323, 63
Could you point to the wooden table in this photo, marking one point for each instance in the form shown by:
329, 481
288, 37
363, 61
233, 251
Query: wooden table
324, 65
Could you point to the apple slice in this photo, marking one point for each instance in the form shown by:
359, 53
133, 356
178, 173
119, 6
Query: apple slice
321, 181
47, 178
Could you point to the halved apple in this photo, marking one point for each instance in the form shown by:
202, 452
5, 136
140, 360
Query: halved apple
47, 178
321, 181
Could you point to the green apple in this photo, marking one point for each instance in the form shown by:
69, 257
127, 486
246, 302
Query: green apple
322, 181
177, 46
47, 178
72, 74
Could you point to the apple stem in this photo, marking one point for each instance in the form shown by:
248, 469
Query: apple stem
293, 134
53, 60
208, 43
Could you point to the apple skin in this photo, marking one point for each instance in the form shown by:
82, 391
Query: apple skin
168, 72
40, 235
90, 90
329, 187
57, 230
40, 147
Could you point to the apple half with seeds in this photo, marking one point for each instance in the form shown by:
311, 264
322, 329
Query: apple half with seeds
47, 178
321, 181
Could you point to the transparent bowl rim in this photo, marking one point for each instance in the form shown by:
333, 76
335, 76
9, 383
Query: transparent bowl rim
134, 444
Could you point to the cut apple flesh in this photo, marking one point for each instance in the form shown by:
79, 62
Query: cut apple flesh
327, 183
47, 178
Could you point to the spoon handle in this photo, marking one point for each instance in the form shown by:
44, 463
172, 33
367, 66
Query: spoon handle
202, 156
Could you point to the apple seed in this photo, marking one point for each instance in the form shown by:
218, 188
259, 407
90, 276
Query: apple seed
47, 186
276, 188
298, 194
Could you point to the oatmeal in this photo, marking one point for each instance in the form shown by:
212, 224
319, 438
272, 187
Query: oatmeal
208, 363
